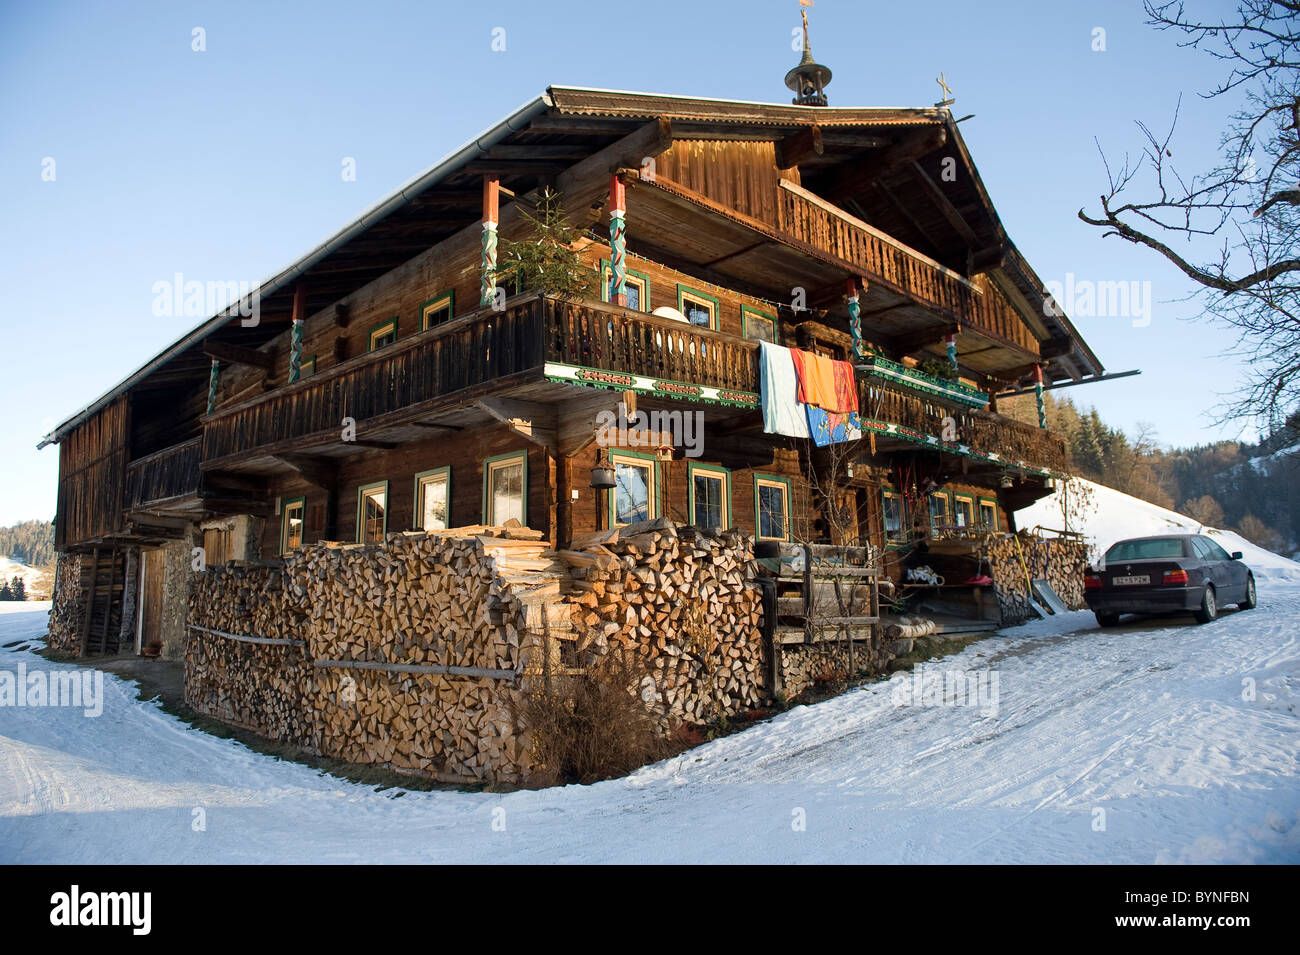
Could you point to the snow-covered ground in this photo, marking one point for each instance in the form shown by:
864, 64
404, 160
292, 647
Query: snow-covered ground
1114, 516
1134, 745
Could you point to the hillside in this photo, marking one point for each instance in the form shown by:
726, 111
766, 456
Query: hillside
38, 582
1115, 516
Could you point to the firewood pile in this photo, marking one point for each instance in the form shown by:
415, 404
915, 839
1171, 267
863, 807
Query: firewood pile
683, 599
66, 609
1059, 560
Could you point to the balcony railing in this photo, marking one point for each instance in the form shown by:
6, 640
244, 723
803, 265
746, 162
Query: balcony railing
597, 344
164, 475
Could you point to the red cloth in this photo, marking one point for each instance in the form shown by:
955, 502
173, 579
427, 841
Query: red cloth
846, 387
825, 383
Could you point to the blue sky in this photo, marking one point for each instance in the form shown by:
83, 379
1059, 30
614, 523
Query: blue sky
226, 163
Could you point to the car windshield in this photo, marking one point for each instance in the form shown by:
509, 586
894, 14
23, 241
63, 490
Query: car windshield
1148, 549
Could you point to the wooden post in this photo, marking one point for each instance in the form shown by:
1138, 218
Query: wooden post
212, 386
295, 346
1038, 396
491, 216
90, 601
108, 602
950, 343
855, 319
618, 240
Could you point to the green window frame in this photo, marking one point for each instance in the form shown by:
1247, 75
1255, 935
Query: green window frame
493, 466
287, 506
425, 479
635, 460
899, 538
709, 471
992, 505
634, 278
379, 332
947, 509
715, 312
969, 501
364, 493
772, 481
443, 300
748, 312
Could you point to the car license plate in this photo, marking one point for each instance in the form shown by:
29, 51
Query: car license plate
1136, 579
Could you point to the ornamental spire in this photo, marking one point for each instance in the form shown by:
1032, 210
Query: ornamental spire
809, 79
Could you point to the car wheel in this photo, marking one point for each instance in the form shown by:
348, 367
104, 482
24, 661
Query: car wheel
1209, 609
1249, 602
1108, 619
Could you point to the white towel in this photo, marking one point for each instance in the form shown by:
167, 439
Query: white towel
783, 412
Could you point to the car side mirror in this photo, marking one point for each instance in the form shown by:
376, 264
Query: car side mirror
1236, 555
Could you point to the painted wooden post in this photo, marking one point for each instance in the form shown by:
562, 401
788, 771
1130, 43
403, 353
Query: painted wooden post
491, 216
212, 386
618, 240
855, 320
295, 342
950, 342
1038, 396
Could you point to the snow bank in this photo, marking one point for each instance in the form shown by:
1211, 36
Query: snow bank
1117, 515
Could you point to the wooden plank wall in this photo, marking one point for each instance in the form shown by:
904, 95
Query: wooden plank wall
92, 472
742, 175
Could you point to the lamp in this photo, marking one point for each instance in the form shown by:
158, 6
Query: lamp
602, 475
1006, 481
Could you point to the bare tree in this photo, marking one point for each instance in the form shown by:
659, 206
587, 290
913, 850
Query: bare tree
1241, 216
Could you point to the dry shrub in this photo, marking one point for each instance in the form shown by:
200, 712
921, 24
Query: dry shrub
591, 724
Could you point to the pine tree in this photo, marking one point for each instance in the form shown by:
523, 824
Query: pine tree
5, 592
19, 589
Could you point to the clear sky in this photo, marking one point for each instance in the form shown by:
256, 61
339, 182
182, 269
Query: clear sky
225, 164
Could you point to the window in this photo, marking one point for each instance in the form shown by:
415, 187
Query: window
988, 514
699, 309
291, 523
710, 496
439, 309
505, 488
372, 513
1148, 548
964, 511
307, 367
757, 326
635, 495
938, 510
637, 286
385, 333
893, 513
1212, 550
772, 507
433, 499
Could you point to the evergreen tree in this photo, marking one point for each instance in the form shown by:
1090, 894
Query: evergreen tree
19, 588
5, 592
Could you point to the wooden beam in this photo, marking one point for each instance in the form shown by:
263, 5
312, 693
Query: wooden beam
535, 422
90, 601
799, 146
853, 178
944, 204
319, 472
239, 355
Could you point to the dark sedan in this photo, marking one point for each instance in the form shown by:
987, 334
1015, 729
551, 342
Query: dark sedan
1175, 572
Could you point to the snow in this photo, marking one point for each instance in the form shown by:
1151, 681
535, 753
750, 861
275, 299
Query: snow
32, 578
1116, 516
1147, 728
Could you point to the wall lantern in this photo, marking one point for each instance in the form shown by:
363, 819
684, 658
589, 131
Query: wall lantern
602, 475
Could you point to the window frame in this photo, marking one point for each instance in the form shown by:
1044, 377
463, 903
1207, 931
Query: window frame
713, 471
652, 497
980, 502
970, 500
285, 504
302, 367
947, 509
417, 514
371, 335
715, 320
772, 480
361, 511
449, 297
889, 491
489, 466
746, 311
607, 275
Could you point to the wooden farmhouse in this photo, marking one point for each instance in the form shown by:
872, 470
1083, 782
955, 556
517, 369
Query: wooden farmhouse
404, 376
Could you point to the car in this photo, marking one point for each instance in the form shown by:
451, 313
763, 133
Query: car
1169, 573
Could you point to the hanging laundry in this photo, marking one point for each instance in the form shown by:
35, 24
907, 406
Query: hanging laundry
830, 427
822, 382
783, 413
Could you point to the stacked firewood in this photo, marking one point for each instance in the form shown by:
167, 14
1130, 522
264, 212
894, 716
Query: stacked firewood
1058, 560
683, 600
66, 609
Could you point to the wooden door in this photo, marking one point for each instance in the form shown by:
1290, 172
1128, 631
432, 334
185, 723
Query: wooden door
151, 593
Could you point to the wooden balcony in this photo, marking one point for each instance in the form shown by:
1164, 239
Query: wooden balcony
157, 479
536, 339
